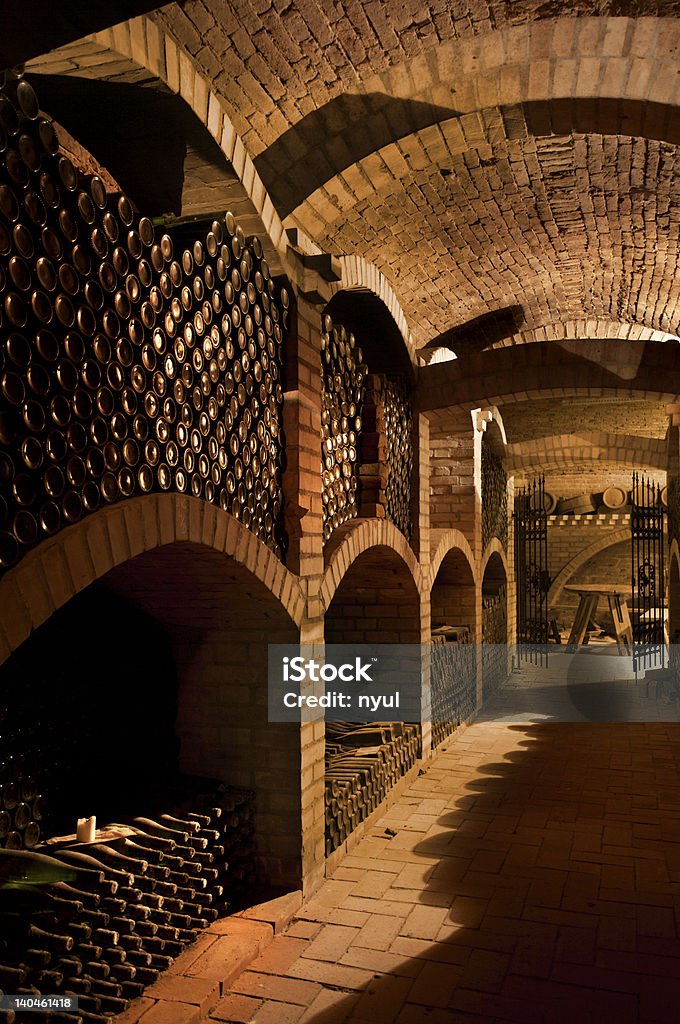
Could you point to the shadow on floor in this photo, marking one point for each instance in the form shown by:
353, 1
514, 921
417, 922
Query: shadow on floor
534, 877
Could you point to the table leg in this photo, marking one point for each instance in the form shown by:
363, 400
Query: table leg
622, 624
587, 606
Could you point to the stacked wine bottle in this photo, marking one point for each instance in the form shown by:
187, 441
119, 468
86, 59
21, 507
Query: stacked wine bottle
494, 641
398, 419
363, 762
129, 363
343, 375
452, 680
102, 920
22, 804
494, 496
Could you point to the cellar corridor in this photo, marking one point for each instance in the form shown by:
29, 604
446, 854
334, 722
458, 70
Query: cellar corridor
529, 874
351, 324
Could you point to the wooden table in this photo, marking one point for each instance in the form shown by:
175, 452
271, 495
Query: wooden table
589, 597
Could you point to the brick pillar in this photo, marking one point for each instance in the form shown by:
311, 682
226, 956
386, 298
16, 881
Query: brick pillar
313, 765
475, 533
420, 542
303, 512
302, 426
452, 478
511, 581
420, 490
425, 693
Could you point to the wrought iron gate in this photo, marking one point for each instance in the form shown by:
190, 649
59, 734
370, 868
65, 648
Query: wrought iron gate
648, 580
531, 571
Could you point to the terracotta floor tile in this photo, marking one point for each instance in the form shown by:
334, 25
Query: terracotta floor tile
534, 879
330, 943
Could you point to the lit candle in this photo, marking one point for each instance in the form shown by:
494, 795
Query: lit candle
86, 829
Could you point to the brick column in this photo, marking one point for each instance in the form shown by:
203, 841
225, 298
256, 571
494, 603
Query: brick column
426, 692
302, 426
511, 581
303, 512
420, 489
313, 765
452, 477
475, 533
420, 542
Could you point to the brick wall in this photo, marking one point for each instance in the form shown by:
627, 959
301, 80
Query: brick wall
376, 602
219, 621
611, 566
454, 593
452, 478
570, 538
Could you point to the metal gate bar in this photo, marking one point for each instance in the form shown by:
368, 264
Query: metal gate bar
648, 601
531, 572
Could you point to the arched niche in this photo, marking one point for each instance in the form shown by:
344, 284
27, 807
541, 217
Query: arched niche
494, 625
368, 318
453, 662
376, 601
453, 595
158, 667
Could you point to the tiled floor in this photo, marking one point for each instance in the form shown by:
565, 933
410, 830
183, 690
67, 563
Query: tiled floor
534, 877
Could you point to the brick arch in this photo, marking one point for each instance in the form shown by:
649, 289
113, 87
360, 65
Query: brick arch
59, 568
492, 416
585, 327
146, 44
500, 254
453, 540
636, 369
565, 574
361, 537
566, 450
540, 119
494, 547
360, 275
513, 79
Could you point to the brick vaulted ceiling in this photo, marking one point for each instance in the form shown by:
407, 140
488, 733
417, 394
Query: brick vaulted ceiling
482, 155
